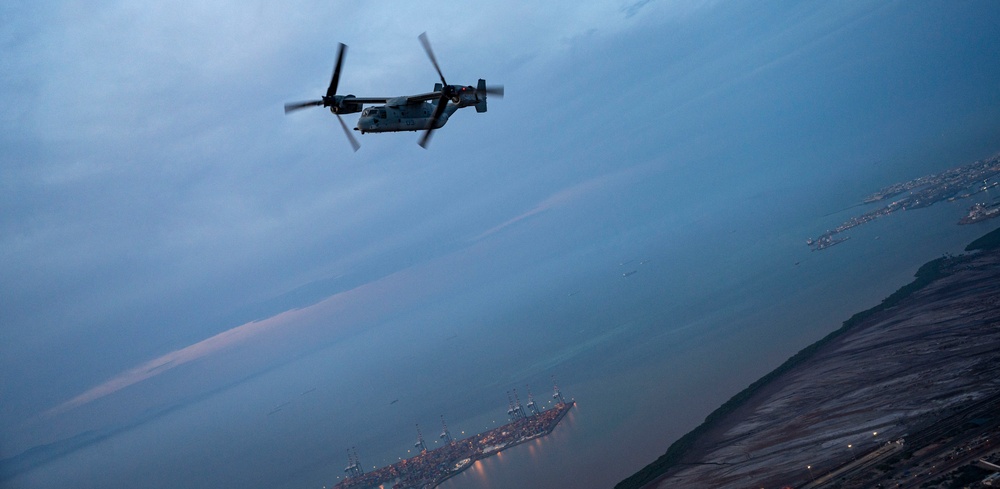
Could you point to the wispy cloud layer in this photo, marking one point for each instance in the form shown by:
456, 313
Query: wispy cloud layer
174, 359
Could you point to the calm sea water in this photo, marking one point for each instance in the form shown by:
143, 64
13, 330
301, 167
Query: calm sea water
645, 360
626, 418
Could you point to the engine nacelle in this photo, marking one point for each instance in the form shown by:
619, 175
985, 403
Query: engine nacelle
343, 105
471, 96
466, 96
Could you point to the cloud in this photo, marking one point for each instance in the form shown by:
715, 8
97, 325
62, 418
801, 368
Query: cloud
226, 339
362, 306
567, 196
558, 199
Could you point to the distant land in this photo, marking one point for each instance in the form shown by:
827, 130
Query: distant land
957, 183
905, 394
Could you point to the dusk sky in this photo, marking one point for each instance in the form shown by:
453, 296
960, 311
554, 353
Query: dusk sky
167, 232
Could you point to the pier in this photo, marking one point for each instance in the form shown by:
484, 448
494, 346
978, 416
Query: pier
432, 467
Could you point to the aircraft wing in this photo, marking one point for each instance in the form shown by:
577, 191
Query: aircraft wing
396, 101
423, 97
369, 100
413, 99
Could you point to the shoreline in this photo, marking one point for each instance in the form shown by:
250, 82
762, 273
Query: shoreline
683, 452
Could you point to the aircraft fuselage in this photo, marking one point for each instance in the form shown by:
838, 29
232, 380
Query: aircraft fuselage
406, 117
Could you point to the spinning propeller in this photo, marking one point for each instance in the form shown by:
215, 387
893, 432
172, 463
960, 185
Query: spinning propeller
448, 92
330, 99
349, 104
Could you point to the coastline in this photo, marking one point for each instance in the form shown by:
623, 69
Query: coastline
692, 448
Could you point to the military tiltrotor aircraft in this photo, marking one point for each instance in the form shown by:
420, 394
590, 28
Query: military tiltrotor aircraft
425, 111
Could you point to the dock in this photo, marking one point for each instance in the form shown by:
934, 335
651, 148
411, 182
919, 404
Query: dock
430, 468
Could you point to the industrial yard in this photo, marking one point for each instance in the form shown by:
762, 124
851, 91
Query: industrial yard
429, 468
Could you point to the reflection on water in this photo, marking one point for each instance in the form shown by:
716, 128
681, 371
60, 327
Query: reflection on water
506, 469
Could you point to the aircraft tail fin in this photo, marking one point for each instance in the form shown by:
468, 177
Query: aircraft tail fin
481, 91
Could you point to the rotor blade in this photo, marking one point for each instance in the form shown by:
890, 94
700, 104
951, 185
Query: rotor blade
301, 105
430, 54
332, 89
442, 103
350, 137
496, 90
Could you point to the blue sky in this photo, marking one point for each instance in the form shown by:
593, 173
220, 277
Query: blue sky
166, 230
